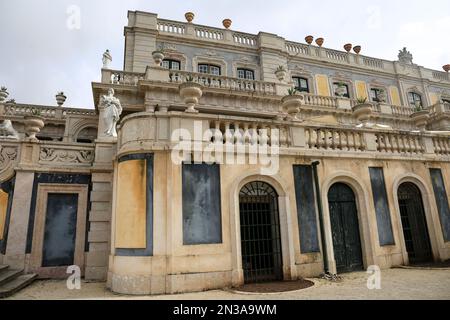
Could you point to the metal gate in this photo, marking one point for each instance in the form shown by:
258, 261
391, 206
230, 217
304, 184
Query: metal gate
260, 233
345, 228
414, 223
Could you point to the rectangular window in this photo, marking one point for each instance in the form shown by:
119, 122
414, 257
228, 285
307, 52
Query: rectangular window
171, 64
202, 219
441, 196
374, 94
301, 84
209, 69
414, 99
306, 209
246, 74
346, 90
381, 203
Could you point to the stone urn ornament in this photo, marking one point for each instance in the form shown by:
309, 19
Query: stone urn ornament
292, 104
189, 17
357, 49
191, 92
362, 111
158, 57
60, 98
348, 47
3, 94
309, 39
319, 41
227, 23
446, 68
33, 124
281, 73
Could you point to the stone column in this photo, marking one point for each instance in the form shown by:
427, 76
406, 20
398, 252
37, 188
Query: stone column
20, 214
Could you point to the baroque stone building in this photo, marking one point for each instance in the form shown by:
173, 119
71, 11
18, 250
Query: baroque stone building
356, 173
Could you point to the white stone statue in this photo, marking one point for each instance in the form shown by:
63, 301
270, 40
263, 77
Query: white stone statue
107, 59
7, 130
111, 110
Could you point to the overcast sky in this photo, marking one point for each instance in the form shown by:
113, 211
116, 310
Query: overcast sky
40, 54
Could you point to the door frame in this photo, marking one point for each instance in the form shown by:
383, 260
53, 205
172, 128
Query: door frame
286, 225
368, 237
39, 229
343, 226
429, 209
278, 270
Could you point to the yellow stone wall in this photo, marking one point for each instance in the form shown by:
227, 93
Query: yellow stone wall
3, 209
131, 205
434, 98
323, 88
361, 90
395, 96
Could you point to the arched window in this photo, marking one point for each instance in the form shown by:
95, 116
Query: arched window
414, 99
301, 84
246, 74
171, 64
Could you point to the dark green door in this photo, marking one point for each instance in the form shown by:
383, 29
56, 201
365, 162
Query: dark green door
345, 228
414, 224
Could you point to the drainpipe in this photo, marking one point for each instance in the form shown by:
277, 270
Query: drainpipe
319, 205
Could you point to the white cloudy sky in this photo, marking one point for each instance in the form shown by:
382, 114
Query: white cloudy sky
39, 55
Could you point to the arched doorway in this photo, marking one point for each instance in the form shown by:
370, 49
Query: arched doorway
415, 230
260, 233
345, 228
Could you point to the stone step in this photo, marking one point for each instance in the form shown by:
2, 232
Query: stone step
8, 275
15, 285
3, 267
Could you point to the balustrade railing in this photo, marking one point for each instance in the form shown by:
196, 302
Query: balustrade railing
23, 110
221, 82
402, 110
231, 132
441, 145
399, 143
125, 78
171, 27
335, 139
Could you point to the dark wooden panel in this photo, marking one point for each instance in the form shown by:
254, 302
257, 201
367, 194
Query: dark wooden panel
60, 230
202, 221
306, 209
381, 203
441, 196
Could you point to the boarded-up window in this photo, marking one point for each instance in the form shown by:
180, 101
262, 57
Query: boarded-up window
202, 222
60, 230
306, 209
381, 203
440, 193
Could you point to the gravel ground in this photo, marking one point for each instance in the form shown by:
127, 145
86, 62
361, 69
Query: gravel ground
395, 284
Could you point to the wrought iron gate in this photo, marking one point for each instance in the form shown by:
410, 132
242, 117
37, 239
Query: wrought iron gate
414, 223
345, 228
260, 233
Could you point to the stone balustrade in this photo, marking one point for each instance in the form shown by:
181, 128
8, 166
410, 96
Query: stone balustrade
221, 82
121, 77
400, 143
293, 137
335, 139
47, 112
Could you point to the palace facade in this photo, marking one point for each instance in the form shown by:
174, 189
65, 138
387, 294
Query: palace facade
352, 169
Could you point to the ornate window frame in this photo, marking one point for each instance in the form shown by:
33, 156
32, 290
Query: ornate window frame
210, 60
348, 81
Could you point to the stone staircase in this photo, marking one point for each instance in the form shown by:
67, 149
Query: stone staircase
12, 281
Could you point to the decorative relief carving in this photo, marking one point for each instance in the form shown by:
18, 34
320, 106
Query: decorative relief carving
7, 156
49, 154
